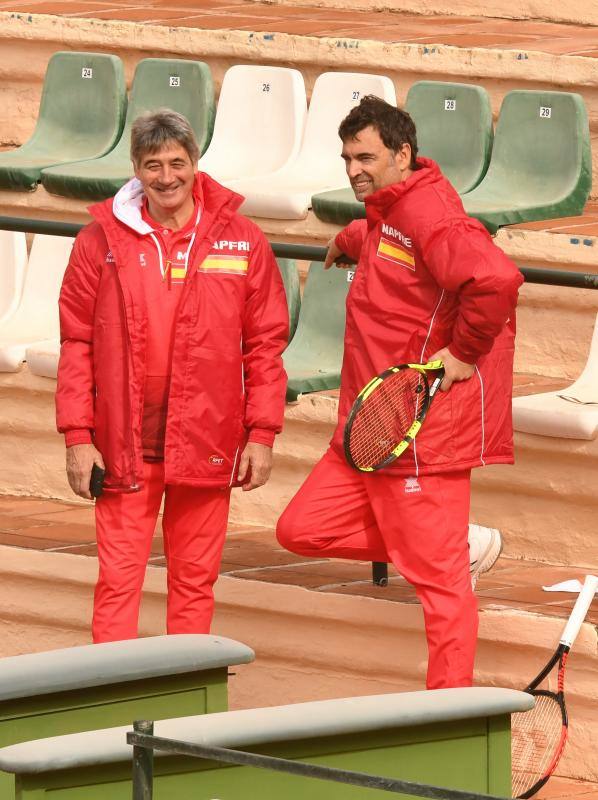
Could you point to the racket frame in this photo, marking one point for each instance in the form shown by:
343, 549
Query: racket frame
572, 627
425, 401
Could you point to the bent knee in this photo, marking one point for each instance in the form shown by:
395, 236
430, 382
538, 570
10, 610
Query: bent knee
290, 533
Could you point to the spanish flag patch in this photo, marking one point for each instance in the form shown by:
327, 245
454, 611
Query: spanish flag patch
227, 264
390, 251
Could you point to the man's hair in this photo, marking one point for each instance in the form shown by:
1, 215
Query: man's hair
395, 127
154, 129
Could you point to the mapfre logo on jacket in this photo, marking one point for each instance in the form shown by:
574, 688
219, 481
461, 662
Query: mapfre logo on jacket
227, 258
396, 248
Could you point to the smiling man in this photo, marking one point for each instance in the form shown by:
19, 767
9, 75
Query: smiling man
429, 284
173, 320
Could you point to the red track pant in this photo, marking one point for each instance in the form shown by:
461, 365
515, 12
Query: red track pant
421, 526
194, 526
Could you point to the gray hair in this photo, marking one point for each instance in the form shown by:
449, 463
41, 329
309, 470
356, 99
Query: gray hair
154, 129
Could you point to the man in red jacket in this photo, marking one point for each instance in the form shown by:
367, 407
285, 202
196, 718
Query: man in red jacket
429, 284
173, 320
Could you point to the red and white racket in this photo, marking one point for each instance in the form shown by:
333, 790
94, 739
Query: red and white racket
538, 736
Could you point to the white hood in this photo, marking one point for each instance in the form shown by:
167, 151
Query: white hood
127, 204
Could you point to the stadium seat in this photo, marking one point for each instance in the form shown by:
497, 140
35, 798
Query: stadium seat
42, 358
259, 122
454, 127
541, 165
290, 278
184, 86
570, 413
81, 115
36, 318
314, 357
13, 263
287, 193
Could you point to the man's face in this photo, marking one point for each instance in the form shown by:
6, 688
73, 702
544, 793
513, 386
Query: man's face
167, 177
372, 166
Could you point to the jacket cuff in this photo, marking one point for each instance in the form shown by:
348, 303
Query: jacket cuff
77, 436
261, 436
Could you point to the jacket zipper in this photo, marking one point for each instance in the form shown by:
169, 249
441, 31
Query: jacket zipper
133, 485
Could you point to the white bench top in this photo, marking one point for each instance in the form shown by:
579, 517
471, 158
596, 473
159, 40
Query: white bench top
116, 662
256, 726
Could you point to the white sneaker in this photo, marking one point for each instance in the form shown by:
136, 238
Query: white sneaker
485, 546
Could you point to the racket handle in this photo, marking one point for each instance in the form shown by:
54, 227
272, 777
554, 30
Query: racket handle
436, 384
586, 595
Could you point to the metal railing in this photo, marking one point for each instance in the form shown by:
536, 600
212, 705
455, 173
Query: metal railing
552, 277
144, 743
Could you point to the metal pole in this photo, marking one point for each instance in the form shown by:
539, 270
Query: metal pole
143, 763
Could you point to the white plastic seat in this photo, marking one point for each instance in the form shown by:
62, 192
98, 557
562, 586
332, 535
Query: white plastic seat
570, 413
36, 317
259, 122
318, 167
13, 264
42, 358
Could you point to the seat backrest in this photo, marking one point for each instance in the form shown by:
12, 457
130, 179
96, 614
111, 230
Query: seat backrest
542, 143
37, 314
454, 128
333, 96
321, 327
290, 279
183, 86
82, 108
13, 264
259, 121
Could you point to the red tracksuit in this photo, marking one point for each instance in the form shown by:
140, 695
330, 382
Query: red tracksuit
428, 277
170, 362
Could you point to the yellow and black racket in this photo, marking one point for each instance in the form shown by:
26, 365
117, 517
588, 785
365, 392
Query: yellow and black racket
388, 414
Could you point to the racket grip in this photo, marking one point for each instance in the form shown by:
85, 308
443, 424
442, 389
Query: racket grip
586, 595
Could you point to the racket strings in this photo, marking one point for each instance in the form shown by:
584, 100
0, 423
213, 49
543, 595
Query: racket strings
538, 738
385, 417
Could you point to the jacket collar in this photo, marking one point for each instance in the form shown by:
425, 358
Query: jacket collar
126, 205
379, 203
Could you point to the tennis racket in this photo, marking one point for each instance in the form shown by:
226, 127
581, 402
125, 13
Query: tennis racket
388, 414
538, 736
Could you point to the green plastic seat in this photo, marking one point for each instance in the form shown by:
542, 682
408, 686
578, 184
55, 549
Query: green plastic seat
314, 357
338, 206
454, 128
184, 86
81, 115
290, 278
541, 165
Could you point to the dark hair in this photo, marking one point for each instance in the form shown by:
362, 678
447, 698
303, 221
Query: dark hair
152, 130
394, 125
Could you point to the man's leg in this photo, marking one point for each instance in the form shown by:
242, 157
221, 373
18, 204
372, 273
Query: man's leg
194, 526
125, 525
424, 523
330, 516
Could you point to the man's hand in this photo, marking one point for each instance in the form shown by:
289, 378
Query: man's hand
454, 370
255, 465
80, 459
333, 253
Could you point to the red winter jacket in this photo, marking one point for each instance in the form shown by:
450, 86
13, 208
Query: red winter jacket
429, 277
227, 376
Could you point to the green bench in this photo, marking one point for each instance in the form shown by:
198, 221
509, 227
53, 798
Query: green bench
541, 165
454, 128
89, 687
184, 86
457, 738
81, 116
314, 357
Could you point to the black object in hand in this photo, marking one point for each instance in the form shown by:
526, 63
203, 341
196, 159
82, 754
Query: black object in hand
96, 483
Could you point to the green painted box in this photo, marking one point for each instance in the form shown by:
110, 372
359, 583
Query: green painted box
94, 686
457, 738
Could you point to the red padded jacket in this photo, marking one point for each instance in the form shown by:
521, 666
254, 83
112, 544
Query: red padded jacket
429, 277
227, 377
